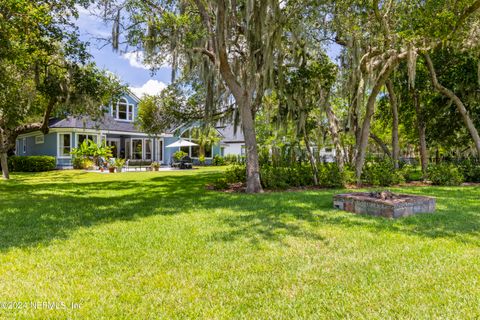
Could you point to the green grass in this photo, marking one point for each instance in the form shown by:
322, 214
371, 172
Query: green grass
158, 245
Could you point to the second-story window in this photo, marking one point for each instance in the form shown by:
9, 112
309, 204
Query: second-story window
123, 110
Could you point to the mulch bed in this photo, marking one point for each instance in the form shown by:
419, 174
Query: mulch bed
240, 187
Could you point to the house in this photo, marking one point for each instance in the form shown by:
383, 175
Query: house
233, 142
117, 128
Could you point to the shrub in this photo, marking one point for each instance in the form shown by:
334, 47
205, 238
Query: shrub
299, 175
274, 177
470, 169
31, 163
349, 176
236, 173
296, 175
231, 159
220, 184
201, 159
120, 163
444, 174
89, 148
154, 165
381, 172
409, 173
178, 155
83, 163
330, 176
218, 160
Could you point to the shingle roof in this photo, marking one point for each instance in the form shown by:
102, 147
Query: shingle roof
107, 122
229, 134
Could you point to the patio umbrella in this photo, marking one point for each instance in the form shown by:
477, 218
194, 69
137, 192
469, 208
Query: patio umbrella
181, 143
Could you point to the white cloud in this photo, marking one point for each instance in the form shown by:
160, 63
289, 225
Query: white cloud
135, 59
151, 87
91, 25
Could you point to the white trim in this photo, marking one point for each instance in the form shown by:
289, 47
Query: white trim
131, 148
133, 96
144, 149
129, 105
41, 140
160, 151
94, 131
85, 134
124, 133
58, 145
53, 130
118, 145
130, 142
24, 145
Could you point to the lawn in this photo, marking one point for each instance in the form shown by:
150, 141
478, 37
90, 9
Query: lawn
158, 245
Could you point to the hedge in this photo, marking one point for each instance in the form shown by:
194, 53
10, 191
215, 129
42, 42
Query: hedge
31, 163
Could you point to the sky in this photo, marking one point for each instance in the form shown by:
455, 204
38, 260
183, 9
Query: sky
128, 66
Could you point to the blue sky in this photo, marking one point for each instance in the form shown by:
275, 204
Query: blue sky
128, 66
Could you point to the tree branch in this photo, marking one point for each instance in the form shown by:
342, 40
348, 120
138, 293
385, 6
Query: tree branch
470, 10
207, 23
208, 53
451, 95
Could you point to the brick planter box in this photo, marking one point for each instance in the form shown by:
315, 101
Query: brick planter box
398, 205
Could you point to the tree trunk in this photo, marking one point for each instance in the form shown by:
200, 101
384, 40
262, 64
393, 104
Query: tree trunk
313, 163
4, 163
333, 125
243, 98
423, 149
379, 83
3, 156
460, 106
421, 133
394, 105
253, 166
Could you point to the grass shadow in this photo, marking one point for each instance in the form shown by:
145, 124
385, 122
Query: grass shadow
38, 208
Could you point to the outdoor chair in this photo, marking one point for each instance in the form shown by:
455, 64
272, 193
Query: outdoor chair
186, 163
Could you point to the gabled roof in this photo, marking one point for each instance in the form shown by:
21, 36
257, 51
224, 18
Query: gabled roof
133, 95
229, 134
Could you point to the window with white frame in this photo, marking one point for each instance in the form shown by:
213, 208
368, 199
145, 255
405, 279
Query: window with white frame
24, 144
123, 110
137, 149
83, 137
64, 144
148, 149
194, 151
39, 139
160, 150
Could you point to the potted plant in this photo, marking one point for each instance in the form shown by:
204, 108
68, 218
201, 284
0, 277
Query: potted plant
155, 165
119, 164
111, 165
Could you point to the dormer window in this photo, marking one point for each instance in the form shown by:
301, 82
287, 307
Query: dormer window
123, 110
